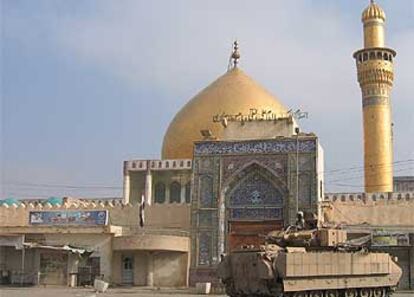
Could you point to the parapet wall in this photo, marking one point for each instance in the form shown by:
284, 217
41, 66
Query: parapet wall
174, 216
369, 197
372, 209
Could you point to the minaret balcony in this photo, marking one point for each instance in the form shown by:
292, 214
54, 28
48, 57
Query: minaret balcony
375, 53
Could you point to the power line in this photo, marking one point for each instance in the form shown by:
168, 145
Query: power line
63, 186
369, 175
360, 168
48, 185
26, 186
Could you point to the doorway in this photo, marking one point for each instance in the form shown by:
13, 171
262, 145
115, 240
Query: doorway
127, 269
53, 268
251, 233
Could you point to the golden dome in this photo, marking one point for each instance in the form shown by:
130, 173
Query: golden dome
373, 11
232, 93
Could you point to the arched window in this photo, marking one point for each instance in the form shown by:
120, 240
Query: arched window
188, 192
175, 192
379, 55
159, 193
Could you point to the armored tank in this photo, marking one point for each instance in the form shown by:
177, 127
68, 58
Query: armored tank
309, 263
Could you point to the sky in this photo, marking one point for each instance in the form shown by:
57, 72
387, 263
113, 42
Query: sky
87, 84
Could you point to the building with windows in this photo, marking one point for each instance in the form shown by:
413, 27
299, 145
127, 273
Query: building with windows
403, 183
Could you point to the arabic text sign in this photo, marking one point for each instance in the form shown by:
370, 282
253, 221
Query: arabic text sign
95, 217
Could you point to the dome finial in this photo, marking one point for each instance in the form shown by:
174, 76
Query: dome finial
373, 11
235, 56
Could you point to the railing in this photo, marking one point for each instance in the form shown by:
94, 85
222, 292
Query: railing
174, 164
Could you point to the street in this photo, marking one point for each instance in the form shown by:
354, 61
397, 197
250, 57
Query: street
112, 292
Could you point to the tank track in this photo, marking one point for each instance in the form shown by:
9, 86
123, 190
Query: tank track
361, 292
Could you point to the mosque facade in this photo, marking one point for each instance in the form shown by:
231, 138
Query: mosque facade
234, 165
237, 158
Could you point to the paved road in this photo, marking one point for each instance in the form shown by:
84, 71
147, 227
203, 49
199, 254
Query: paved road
113, 292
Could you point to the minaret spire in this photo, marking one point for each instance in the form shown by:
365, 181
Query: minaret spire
376, 76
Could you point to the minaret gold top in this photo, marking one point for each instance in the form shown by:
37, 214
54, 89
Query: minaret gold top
376, 77
373, 18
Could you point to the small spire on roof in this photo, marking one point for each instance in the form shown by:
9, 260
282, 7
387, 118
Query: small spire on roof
235, 56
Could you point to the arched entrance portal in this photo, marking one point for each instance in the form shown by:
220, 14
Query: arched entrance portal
254, 206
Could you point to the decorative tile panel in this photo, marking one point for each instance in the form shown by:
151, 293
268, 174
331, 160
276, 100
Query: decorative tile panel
306, 162
256, 213
206, 192
204, 249
277, 163
254, 147
305, 190
207, 218
255, 190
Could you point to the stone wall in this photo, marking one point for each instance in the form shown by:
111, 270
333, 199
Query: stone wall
259, 129
156, 216
169, 268
374, 209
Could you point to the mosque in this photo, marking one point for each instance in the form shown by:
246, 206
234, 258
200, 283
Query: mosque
234, 165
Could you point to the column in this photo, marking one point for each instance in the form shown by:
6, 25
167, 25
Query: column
126, 183
150, 269
105, 258
182, 196
148, 186
411, 255
222, 226
73, 262
3, 256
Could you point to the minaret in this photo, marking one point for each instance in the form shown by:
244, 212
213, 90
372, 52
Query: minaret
375, 77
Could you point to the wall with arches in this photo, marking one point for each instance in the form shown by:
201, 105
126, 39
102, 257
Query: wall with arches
167, 186
171, 187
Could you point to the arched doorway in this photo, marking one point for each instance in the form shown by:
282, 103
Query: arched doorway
254, 202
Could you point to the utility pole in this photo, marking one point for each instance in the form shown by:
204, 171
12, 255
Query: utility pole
297, 168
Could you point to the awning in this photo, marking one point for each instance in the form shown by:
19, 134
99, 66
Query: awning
67, 248
12, 240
